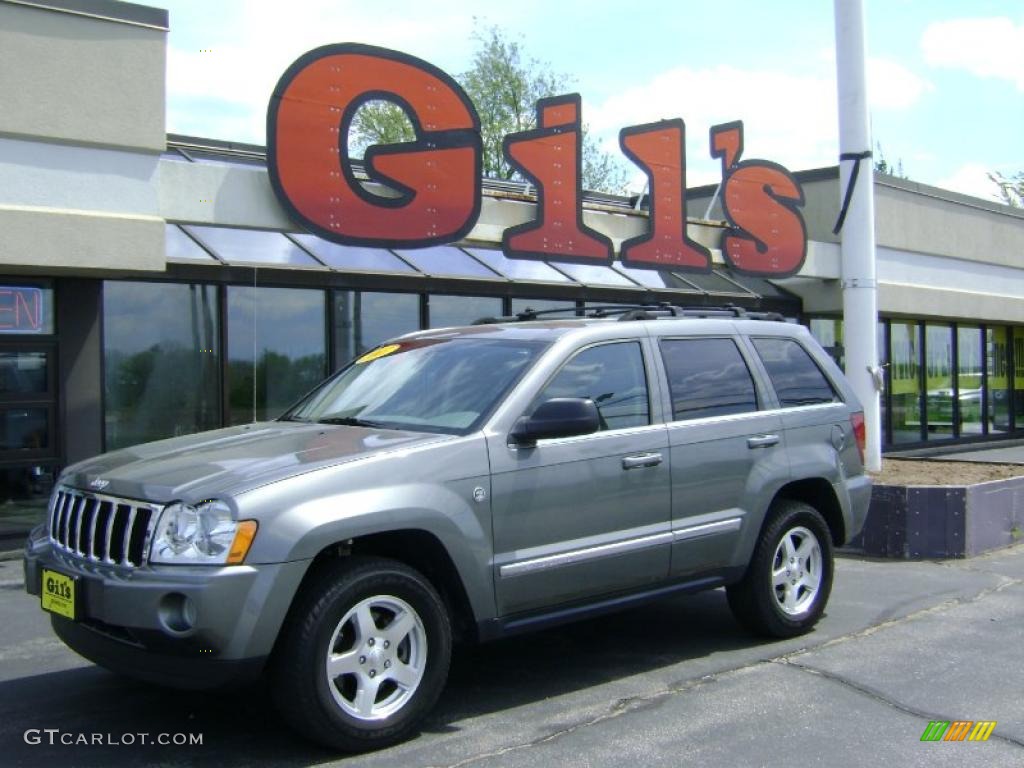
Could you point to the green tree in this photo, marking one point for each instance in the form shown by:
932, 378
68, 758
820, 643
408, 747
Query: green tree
504, 86
884, 166
1011, 190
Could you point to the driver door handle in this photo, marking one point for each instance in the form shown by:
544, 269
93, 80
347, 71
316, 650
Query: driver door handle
641, 460
762, 441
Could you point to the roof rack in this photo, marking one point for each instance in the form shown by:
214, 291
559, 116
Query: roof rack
628, 312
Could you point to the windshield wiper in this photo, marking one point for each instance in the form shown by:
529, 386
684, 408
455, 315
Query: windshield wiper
351, 421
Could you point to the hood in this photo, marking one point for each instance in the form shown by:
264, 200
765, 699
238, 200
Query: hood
229, 461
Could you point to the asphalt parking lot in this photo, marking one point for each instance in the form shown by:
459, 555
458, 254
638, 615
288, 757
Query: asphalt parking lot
903, 643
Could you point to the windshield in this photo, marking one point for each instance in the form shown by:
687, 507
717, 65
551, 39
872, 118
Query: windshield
429, 385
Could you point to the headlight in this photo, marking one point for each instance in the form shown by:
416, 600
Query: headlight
204, 535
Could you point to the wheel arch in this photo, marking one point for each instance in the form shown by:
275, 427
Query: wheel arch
417, 548
817, 492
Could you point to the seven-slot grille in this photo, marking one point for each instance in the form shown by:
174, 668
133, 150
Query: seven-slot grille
102, 529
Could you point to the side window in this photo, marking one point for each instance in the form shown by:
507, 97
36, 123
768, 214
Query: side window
707, 377
612, 375
795, 376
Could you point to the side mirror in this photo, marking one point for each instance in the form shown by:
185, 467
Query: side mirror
558, 417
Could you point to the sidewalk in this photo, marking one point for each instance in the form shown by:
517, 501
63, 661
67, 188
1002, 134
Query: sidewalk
1010, 452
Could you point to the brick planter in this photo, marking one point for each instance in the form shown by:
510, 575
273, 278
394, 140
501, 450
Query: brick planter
916, 522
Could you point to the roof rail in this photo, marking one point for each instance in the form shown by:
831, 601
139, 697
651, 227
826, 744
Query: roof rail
627, 312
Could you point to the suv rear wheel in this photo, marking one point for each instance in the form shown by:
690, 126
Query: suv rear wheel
787, 584
364, 655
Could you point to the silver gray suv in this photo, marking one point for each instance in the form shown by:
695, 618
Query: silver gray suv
462, 483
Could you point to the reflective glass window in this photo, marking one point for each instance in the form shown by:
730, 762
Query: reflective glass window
519, 269
905, 376
429, 384
364, 319
796, 377
161, 355
969, 356
447, 311
447, 261
1017, 334
707, 377
828, 332
181, 247
997, 353
353, 258
24, 430
521, 305
649, 278
26, 309
883, 362
252, 246
713, 282
939, 380
612, 375
276, 349
24, 373
594, 274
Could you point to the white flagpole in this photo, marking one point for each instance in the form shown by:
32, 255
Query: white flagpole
860, 291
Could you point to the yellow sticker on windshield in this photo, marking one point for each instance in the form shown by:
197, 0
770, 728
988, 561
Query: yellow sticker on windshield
378, 352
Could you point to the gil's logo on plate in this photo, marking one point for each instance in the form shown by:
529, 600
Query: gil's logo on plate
958, 730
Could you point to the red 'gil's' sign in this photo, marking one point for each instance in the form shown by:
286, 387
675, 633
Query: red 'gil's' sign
436, 178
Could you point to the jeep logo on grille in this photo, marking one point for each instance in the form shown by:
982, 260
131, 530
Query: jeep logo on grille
99, 483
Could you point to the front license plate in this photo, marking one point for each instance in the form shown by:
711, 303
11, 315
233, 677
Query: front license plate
59, 593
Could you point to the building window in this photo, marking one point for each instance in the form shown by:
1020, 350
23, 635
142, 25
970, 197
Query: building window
521, 305
939, 391
447, 311
997, 354
277, 346
26, 310
161, 360
364, 319
1017, 334
828, 332
905, 348
970, 381
882, 340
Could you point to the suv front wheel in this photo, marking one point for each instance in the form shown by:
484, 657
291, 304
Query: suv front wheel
364, 655
787, 584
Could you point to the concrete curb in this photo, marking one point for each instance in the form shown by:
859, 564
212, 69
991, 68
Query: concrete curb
11, 554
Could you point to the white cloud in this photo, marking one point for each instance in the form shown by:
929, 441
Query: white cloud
787, 118
240, 70
892, 86
985, 47
971, 179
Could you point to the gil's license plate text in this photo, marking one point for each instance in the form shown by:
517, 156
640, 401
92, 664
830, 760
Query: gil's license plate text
58, 593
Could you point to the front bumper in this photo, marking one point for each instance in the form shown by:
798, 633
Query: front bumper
129, 620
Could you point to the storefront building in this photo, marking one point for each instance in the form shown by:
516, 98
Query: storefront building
152, 285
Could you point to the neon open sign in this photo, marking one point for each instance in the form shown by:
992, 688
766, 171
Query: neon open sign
436, 185
21, 309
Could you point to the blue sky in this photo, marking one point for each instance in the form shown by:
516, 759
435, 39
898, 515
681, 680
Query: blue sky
945, 77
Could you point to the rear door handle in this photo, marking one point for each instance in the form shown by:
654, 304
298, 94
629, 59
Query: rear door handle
642, 460
762, 441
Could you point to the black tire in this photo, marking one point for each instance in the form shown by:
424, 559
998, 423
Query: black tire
792, 607
334, 712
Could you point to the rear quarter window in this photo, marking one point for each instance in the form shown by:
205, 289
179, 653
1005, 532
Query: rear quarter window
797, 379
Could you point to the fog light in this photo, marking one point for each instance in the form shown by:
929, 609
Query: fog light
177, 613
